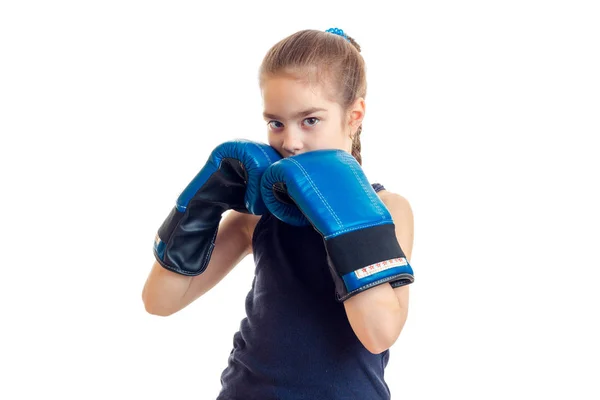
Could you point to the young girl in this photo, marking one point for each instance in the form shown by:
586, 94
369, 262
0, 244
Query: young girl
298, 340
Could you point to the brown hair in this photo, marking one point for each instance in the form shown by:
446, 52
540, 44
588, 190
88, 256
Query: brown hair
322, 54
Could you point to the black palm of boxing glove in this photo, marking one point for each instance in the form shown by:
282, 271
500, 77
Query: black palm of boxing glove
230, 180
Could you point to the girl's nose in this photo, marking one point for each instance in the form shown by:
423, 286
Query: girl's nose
292, 142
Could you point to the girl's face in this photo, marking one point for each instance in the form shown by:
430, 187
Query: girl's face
300, 117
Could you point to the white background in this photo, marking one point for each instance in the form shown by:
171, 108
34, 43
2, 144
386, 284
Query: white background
482, 114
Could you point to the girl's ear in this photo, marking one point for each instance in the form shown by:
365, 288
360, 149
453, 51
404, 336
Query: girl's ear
356, 113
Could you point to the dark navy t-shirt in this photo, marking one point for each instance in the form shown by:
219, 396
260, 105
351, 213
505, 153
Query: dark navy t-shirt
296, 341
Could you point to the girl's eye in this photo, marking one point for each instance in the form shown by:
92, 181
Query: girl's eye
275, 124
311, 121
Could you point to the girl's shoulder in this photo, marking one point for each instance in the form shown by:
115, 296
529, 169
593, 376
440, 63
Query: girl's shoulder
402, 215
395, 202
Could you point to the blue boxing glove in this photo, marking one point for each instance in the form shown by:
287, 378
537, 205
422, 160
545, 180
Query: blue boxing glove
332, 192
230, 180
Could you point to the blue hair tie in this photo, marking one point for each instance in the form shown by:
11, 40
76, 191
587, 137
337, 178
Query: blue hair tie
337, 31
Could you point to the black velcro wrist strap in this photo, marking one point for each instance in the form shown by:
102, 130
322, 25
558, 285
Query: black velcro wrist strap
357, 249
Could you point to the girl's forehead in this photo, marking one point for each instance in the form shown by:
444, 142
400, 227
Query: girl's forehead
291, 89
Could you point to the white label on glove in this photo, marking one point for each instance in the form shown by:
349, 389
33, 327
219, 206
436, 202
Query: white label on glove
380, 266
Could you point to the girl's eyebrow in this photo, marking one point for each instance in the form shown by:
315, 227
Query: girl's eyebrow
297, 115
